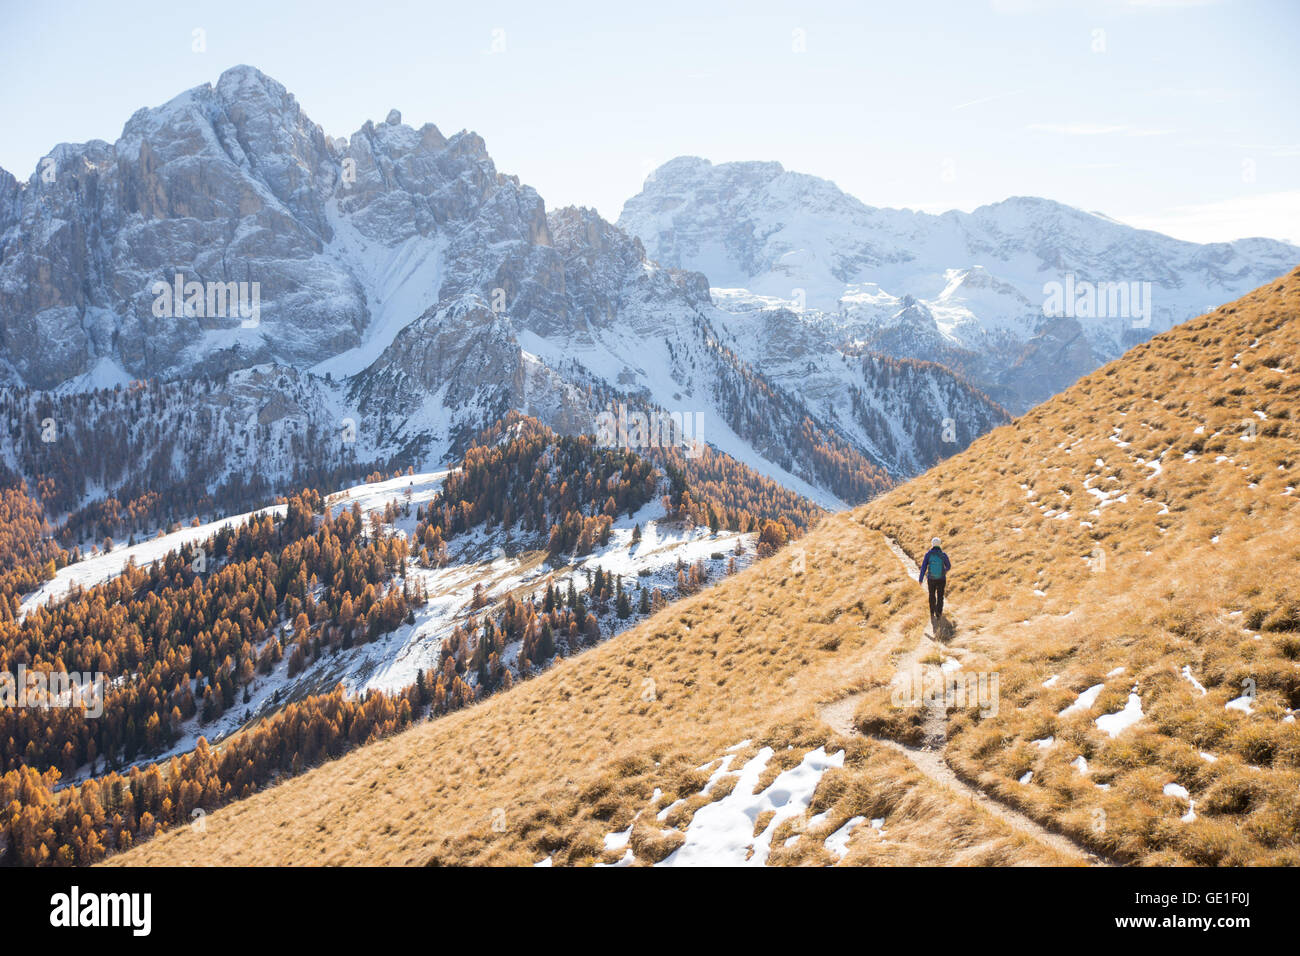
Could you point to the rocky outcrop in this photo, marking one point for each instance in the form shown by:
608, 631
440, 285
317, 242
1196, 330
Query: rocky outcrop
400, 294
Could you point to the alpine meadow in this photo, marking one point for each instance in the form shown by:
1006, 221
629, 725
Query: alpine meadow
757, 435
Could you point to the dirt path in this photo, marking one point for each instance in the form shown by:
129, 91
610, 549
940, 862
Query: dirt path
908, 564
929, 758
912, 674
839, 716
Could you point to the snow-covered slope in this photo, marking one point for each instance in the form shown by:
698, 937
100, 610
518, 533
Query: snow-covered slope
408, 295
904, 412
971, 291
503, 562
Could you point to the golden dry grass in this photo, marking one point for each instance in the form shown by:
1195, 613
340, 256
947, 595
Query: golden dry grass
1196, 569
574, 754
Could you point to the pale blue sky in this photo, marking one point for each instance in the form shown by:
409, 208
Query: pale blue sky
1178, 115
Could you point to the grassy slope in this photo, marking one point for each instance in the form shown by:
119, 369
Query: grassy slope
574, 754
1210, 584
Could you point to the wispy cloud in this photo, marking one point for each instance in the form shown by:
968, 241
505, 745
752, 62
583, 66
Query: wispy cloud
1095, 129
987, 99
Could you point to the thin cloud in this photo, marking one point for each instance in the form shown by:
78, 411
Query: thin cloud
987, 99
1095, 129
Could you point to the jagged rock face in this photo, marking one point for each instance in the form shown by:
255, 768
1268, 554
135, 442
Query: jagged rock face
604, 268
939, 287
233, 183
905, 414
462, 352
409, 289
224, 183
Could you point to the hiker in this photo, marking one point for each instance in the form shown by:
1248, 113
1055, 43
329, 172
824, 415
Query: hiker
934, 571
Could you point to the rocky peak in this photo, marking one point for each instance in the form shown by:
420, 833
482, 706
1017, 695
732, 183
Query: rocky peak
914, 313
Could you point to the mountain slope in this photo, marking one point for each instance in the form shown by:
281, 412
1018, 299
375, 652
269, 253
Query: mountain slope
398, 288
409, 294
351, 613
1138, 632
924, 286
1127, 552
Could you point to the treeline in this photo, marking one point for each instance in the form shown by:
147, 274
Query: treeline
519, 471
716, 490
128, 440
81, 825
187, 641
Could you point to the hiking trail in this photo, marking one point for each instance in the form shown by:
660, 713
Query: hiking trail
928, 758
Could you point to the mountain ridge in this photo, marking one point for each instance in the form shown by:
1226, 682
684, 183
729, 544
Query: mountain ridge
383, 266
983, 277
1120, 724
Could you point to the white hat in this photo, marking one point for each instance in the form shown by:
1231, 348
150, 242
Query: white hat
935, 542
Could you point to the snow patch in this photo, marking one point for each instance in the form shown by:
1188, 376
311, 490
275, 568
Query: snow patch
1084, 701
722, 833
1116, 723
838, 842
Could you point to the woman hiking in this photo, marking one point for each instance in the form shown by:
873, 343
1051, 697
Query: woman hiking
934, 572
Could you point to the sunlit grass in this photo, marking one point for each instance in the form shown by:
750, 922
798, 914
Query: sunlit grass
552, 766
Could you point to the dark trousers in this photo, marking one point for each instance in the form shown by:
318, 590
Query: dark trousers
936, 595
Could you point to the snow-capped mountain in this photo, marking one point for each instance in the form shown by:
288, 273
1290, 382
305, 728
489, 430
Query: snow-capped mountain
1022, 296
347, 241
905, 411
411, 294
